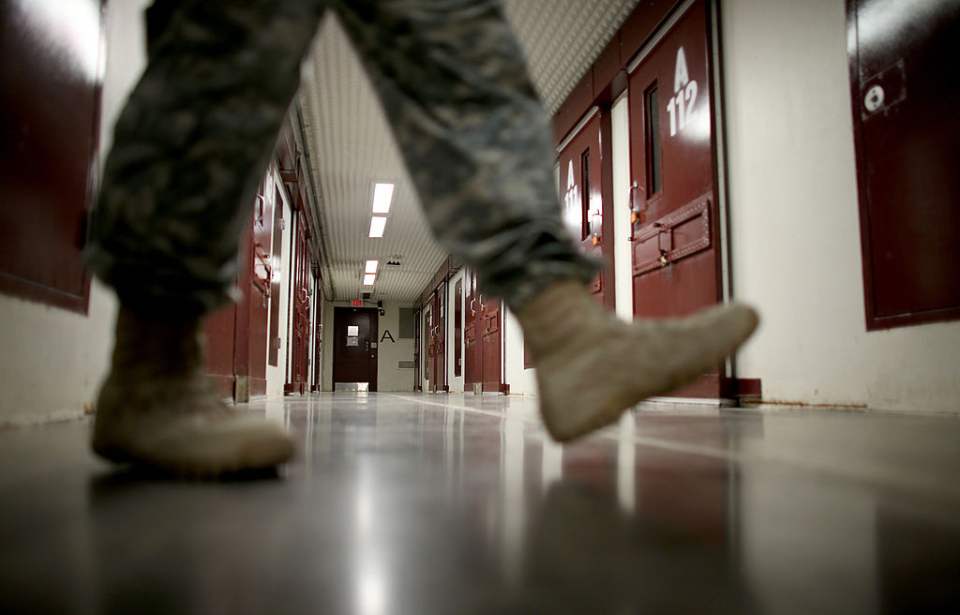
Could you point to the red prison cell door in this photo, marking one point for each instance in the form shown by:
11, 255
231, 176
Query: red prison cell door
491, 319
435, 337
904, 70
675, 213
237, 334
472, 340
483, 358
580, 170
299, 311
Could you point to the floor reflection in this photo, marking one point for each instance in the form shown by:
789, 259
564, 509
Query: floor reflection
456, 504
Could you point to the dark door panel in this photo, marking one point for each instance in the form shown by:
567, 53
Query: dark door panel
673, 152
299, 310
904, 71
49, 123
472, 335
491, 346
436, 348
354, 351
581, 182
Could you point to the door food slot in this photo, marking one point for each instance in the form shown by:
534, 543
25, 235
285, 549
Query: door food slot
672, 238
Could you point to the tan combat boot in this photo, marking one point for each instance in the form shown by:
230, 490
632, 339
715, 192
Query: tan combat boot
157, 409
591, 366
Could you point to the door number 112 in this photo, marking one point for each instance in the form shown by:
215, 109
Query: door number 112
680, 107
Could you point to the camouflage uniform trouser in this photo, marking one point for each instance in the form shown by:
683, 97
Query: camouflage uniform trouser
194, 139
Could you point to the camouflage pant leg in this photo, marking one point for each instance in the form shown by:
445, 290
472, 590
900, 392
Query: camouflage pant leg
474, 136
180, 180
190, 147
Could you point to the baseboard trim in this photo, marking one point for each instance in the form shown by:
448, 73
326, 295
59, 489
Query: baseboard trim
29, 420
743, 389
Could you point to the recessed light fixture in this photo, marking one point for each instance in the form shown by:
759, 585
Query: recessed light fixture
371, 267
368, 279
382, 195
377, 225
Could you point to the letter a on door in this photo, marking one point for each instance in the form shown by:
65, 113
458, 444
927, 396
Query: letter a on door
681, 75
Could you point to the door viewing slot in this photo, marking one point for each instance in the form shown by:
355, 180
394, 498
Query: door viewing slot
651, 112
585, 196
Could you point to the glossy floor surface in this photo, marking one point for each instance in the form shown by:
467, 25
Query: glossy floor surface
458, 504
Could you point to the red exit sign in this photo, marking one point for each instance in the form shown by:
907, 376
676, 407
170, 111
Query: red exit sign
357, 303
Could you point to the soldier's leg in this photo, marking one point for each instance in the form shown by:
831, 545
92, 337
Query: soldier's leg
190, 148
476, 141
475, 138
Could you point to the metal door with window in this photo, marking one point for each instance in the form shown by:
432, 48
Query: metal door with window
436, 351
299, 311
472, 339
491, 321
237, 334
458, 329
483, 344
355, 333
675, 213
580, 182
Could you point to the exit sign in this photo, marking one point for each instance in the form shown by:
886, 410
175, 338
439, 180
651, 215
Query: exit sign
357, 303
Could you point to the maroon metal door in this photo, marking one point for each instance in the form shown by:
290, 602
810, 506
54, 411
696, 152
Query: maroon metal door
580, 183
473, 339
250, 326
237, 335
299, 312
49, 122
436, 349
906, 109
354, 353
318, 332
458, 329
492, 347
418, 343
221, 330
675, 240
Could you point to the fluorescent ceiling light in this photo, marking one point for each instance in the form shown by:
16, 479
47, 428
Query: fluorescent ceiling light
371, 267
368, 279
377, 224
382, 195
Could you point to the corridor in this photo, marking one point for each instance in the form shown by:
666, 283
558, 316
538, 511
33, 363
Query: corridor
418, 503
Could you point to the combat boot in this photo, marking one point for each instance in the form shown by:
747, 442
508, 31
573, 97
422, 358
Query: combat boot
157, 409
591, 366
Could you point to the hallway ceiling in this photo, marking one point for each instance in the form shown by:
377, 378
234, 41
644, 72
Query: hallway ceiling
350, 146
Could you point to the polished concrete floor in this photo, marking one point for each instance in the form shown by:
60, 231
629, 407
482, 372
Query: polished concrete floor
458, 504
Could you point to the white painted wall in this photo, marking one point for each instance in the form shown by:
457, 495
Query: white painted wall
522, 381
390, 377
795, 224
623, 259
53, 360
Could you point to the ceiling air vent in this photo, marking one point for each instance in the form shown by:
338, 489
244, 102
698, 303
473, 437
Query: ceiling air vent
394, 262
367, 295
